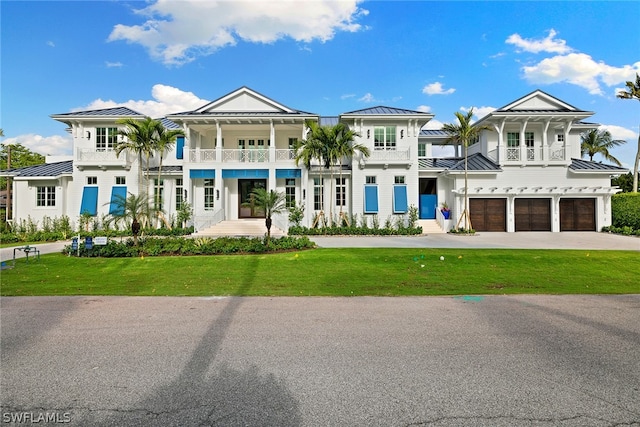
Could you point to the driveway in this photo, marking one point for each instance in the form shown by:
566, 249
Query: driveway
446, 361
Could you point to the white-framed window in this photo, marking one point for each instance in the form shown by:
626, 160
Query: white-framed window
384, 138
398, 179
318, 194
179, 193
290, 192
341, 191
513, 139
121, 180
106, 138
529, 139
560, 137
46, 195
209, 194
92, 180
370, 180
422, 150
158, 193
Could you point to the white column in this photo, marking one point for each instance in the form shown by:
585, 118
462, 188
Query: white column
545, 141
218, 142
272, 139
523, 146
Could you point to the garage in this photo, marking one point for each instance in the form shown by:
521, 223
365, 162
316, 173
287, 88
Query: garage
533, 214
488, 214
577, 214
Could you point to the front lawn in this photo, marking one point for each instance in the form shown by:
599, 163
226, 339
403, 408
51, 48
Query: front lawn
333, 272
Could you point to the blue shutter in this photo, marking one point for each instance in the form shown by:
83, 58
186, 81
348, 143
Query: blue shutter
202, 173
89, 203
180, 147
399, 198
118, 194
370, 199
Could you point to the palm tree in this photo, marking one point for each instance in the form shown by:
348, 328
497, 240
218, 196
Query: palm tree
599, 142
633, 92
162, 143
346, 146
464, 133
133, 210
139, 139
313, 147
271, 202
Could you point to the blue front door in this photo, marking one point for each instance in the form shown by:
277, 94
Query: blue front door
428, 204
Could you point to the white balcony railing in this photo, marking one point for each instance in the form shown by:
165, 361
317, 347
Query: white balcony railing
283, 155
197, 156
531, 154
390, 155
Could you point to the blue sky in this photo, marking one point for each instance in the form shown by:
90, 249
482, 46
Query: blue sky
324, 57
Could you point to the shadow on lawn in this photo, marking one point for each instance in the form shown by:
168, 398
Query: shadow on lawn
230, 397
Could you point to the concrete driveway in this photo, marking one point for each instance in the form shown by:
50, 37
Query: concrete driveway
457, 361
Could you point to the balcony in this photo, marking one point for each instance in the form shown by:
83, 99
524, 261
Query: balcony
532, 155
91, 157
240, 155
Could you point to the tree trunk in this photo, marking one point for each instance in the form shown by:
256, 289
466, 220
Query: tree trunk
634, 189
267, 223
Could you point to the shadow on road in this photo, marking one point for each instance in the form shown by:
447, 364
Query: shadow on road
228, 397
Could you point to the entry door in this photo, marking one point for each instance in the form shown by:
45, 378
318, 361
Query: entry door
246, 208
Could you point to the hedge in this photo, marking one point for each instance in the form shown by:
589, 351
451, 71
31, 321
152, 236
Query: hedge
625, 210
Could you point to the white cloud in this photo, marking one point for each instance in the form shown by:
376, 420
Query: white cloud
433, 124
348, 95
619, 132
579, 69
113, 64
547, 44
368, 98
176, 32
424, 108
436, 89
478, 112
51, 44
55, 145
166, 100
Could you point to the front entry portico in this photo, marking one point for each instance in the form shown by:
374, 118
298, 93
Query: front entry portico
246, 209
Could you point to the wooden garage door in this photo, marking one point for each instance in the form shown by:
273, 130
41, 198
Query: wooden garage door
533, 214
488, 214
577, 214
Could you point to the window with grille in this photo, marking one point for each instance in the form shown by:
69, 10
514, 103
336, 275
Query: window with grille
46, 196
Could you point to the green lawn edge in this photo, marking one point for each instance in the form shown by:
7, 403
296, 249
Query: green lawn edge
333, 272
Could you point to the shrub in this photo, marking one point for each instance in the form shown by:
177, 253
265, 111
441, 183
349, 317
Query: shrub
625, 210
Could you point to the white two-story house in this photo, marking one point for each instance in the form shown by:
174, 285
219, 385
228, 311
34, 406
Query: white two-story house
525, 171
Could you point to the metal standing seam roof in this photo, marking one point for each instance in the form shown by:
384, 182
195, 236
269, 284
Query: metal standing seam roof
167, 169
382, 110
434, 132
475, 163
329, 120
168, 124
115, 111
44, 170
587, 165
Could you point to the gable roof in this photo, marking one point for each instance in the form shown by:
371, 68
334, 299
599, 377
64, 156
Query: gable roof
50, 170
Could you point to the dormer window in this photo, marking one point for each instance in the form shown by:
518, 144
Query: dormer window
560, 137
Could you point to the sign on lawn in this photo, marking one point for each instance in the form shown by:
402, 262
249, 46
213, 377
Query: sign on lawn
101, 240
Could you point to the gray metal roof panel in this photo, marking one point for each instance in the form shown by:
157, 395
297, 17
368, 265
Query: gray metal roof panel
168, 124
586, 165
475, 163
44, 170
167, 169
329, 120
115, 111
382, 110
433, 132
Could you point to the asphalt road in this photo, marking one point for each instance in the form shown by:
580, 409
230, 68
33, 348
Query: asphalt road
446, 361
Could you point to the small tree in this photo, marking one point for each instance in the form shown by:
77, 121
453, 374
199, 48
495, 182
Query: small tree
133, 210
464, 133
599, 142
633, 92
271, 202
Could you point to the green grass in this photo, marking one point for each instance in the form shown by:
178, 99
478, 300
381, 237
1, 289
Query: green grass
334, 272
